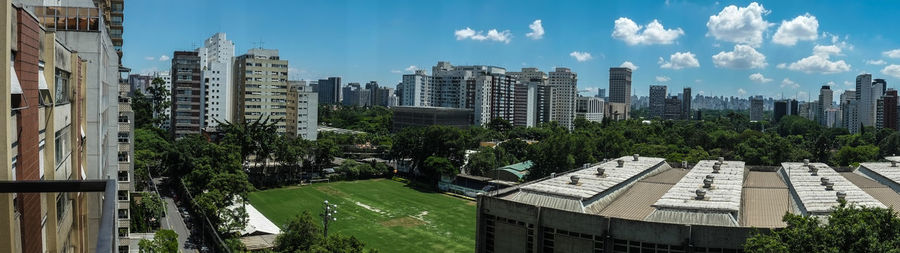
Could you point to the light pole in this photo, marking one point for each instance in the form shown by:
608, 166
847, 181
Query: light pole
328, 215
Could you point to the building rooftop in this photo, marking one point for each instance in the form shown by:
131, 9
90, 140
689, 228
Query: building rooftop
806, 182
720, 182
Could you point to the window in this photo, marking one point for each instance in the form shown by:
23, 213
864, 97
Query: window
123, 176
62, 87
123, 213
123, 232
62, 202
123, 157
123, 195
123, 119
123, 137
123, 248
62, 145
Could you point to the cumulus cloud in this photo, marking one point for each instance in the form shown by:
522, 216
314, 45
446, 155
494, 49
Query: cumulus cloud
628, 64
892, 70
849, 84
537, 30
492, 35
743, 57
820, 61
149, 58
581, 56
876, 62
654, 33
679, 60
164, 58
892, 53
410, 69
742, 92
787, 83
759, 78
662, 79
804, 27
744, 25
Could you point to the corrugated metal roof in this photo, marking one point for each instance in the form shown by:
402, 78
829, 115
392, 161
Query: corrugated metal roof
885, 170
636, 203
760, 179
764, 207
882, 193
522, 166
724, 195
861, 181
815, 199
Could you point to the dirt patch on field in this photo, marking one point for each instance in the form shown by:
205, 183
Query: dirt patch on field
330, 190
402, 222
471, 203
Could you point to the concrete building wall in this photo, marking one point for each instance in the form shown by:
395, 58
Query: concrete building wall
261, 80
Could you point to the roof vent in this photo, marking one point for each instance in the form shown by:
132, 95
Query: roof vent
805, 162
701, 193
813, 169
636, 156
829, 186
710, 176
600, 171
716, 168
574, 179
552, 174
721, 160
824, 180
893, 163
620, 162
841, 195
707, 183
586, 165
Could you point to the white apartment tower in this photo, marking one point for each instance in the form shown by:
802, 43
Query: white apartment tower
216, 61
416, 89
307, 110
563, 95
536, 81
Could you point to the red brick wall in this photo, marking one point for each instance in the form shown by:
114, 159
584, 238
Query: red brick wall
26, 65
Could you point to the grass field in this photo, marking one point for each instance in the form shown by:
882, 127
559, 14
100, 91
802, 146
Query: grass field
384, 214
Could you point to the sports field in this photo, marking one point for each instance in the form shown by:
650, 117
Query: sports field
384, 214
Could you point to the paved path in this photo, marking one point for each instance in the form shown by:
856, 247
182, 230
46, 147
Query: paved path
174, 221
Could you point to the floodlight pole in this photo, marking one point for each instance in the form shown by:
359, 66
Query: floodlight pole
329, 210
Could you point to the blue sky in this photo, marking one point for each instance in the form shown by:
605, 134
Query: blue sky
714, 47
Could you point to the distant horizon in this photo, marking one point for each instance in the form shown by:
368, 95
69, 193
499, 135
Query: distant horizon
782, 48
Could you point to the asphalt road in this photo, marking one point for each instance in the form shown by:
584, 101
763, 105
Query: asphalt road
174, 221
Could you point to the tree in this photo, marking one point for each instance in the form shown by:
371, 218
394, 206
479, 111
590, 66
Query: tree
438, 166
851, 155
299, 234
481, 162
848, 229
890, 145
164, 241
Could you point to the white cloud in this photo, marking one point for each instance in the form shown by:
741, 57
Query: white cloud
849, 84
493, 35
164, 58
743, 25
820, 61
804, 27
892, 70
787, 83
781, 66
410, 69
581, 56
662, 79
743, 57
759, 78
679, 60
892, 53
654, 33
149, 58
537, 30
876, 62
742, 92
628, 64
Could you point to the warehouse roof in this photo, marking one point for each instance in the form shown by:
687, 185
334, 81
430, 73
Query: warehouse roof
720, 182
816, 199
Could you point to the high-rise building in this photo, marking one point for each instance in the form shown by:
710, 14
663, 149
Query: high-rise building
216, 61
415, 89
601, 93
329, 91
658, 96
887, 110
187, 94
793, 108
563, 92
353, 94
590, 109
673, 108
167, 113
537, 96
780, 109
756, 108
262, 89
832, 117
850, 111
686, 103
866, 96
307, 110
139, 83
620, 88
826, 96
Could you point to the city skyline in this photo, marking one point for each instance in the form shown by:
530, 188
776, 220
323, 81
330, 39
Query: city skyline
376, 47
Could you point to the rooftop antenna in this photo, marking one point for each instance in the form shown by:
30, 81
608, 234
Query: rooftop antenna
260, 44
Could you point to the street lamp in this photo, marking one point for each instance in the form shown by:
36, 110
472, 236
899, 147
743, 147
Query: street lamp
328, 215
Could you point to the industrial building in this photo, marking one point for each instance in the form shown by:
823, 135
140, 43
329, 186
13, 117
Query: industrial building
641, 204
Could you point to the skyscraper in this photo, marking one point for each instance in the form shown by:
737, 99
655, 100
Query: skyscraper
262, 89
601, 93
756, 108
563, 94
658, 96
826, 96
415, 89
887, 111
307, 110
187, 94
216, 59
620, 88
793, 108
537, 96
686, 103
866, 96
673, 108
780, 110
329, 91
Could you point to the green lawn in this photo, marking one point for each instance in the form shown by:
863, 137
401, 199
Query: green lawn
384, 214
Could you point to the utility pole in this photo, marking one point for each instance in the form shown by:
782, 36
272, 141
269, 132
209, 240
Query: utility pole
328, 215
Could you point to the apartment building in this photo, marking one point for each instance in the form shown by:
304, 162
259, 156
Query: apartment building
261, 85
216, 61
307, 104
620, 91
536, 97
187, 94
563, 95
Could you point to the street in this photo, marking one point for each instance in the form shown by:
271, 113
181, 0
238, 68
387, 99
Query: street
173, 220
